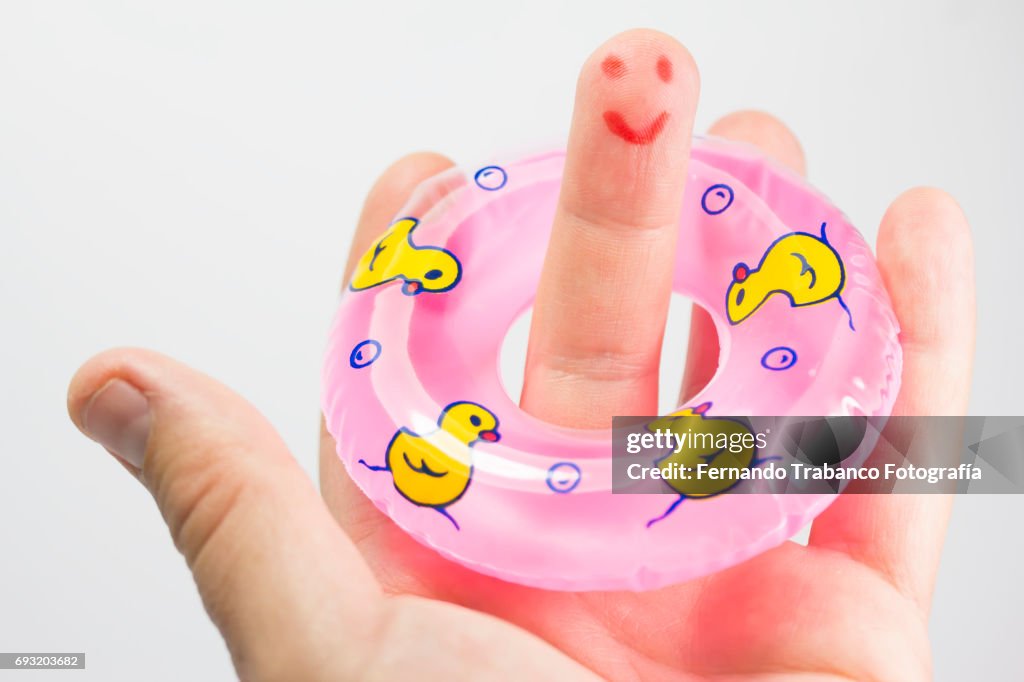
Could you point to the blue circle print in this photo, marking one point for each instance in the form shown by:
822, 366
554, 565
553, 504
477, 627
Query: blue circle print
491, 178
779, 358
364, 354
564, 477
716, 199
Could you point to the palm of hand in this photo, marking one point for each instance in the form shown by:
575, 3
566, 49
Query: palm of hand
809, 610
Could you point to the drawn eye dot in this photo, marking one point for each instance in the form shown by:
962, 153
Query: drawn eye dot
664, 69
432, 274
740, 296
474, 420
779, 358
613, 67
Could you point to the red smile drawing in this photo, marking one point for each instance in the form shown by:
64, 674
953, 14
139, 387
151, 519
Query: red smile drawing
615, 69
617, 124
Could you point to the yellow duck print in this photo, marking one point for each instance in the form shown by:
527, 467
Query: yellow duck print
705, 446
395, 257
801, 266
434, 470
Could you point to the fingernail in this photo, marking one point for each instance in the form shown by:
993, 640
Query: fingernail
117, 417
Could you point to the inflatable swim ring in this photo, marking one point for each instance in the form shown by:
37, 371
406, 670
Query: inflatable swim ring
413, 397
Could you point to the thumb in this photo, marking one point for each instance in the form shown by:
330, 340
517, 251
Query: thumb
285, 586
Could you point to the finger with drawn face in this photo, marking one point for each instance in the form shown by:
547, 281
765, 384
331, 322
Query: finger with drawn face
603, 297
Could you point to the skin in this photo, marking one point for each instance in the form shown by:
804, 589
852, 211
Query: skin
304, 587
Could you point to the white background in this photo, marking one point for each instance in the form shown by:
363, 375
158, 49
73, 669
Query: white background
187, 176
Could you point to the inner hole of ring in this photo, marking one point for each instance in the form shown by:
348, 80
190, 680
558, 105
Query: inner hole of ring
676, 346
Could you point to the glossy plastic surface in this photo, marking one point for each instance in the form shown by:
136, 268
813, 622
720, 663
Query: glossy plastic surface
413, 396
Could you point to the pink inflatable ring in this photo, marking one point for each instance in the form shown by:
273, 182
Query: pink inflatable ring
413, 396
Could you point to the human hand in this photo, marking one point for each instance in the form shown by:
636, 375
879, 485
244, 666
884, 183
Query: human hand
295, 598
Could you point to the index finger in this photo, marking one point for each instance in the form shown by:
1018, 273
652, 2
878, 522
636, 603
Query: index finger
603, 297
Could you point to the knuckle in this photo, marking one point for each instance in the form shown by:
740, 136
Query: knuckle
628, 220
610, 366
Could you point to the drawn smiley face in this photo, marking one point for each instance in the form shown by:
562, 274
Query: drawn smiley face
615, 69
